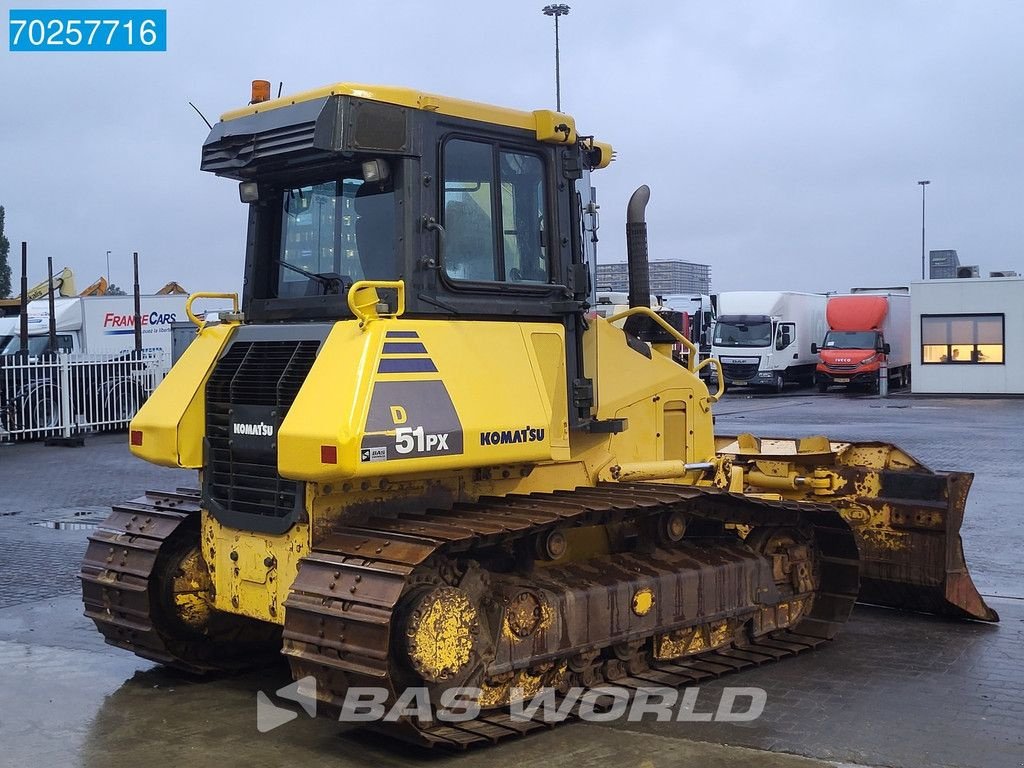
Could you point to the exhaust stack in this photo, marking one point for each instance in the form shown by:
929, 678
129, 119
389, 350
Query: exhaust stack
636, 248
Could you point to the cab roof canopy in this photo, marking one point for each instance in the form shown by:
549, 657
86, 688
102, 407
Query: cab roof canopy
347, 117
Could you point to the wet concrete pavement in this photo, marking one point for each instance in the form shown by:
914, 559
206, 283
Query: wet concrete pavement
894, 690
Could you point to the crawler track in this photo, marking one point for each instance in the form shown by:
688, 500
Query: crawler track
343, 619
125, 577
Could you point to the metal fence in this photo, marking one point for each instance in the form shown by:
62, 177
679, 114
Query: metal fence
70, 394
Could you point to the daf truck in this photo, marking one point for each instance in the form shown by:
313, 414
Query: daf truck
867, 333
764, 338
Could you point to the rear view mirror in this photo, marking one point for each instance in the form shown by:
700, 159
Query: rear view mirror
886, 349
814, 349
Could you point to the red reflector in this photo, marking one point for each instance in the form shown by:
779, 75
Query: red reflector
328, 454
136, 437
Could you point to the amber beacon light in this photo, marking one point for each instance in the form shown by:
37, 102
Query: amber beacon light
260, 91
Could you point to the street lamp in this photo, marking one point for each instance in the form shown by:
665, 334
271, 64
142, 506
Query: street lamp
923, 185
108, 267
557, 10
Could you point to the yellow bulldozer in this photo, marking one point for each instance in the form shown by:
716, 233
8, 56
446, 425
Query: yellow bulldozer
425, 462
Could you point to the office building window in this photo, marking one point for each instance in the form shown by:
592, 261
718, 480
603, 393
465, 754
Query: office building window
962, 339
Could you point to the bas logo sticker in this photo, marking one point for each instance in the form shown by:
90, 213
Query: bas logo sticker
373, 454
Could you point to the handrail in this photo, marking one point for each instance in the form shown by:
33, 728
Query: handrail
363, 299
690, 346
721, 377
207, 295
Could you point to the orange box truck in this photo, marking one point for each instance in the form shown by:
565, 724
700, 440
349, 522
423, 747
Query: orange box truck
867, 332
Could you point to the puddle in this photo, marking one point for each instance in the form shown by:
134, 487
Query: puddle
74, 518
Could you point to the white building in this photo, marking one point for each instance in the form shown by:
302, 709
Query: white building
967, 336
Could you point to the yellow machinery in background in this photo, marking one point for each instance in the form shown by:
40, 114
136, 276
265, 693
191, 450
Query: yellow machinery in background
425, 462
97, 288
63, 283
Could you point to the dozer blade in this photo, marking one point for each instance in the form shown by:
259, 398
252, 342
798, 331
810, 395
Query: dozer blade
905, 516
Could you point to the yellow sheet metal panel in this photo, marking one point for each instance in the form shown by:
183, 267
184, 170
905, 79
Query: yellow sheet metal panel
628, 384
401, 397
554, 127
172, 420
252, 572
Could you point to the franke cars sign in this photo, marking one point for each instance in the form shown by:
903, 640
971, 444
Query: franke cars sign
117, 323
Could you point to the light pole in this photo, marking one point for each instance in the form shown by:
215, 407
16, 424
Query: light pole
557, 10
108, 267
923, 185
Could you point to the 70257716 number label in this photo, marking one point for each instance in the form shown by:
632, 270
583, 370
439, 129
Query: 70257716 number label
93, 30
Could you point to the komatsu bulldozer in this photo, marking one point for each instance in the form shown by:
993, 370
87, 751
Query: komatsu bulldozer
426, 463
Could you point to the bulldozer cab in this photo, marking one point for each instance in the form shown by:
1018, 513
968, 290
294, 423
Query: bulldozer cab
482, 212
479, 218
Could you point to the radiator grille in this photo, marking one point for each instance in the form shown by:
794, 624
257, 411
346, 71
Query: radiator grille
253, 373
840, 367
742, 371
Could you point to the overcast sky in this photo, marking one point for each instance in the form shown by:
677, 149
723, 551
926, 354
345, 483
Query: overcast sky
782, 141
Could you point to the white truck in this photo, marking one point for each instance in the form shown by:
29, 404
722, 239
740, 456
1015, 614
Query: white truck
96, 325
764, 338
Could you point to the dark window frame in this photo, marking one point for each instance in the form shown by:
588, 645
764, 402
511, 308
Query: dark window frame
498, 145
264, 232
949, 347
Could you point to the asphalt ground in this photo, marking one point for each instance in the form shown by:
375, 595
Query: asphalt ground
896, 689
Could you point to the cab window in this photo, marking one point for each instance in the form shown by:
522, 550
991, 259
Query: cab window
494, 214
334, 234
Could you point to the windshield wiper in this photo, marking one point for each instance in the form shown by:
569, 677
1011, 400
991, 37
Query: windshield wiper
331, 281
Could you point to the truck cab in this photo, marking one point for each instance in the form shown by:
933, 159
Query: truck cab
38, 344
764, 338
747, 347
851, 358
38, 339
